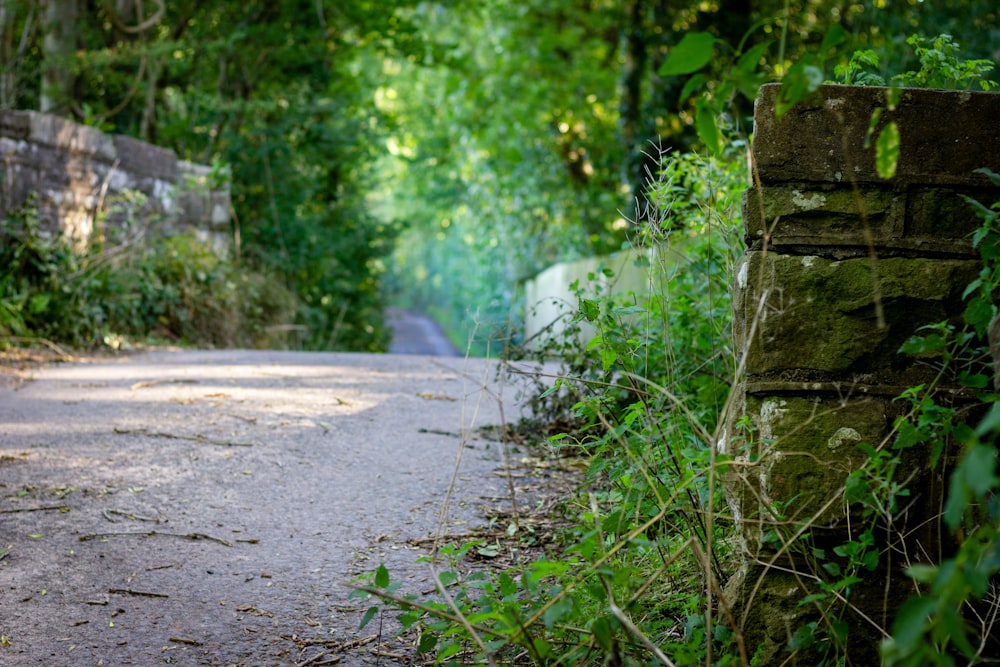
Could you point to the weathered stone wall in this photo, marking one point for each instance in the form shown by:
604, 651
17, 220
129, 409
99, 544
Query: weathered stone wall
87, 183
842, 267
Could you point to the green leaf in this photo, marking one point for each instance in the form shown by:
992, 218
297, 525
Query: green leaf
978, 314
832, 568
958, 500
542, 648
707, 129
488, 551
590, 309
39, 303
381, 576
692, 53
990, 174
834, 36
923, 345
973, 380
507, 585
603, 633
953, 626
751, 58
449, 650
925, 574
427, 642
691, 86
608, 358
369, 615
983, 212
872, 124
557, 611
909, 625
907, 435
990, 423
887, 150
974, 477
980, 466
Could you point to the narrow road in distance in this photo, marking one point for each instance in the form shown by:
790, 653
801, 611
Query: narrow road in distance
417, 334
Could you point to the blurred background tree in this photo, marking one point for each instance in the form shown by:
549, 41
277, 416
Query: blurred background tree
428, 154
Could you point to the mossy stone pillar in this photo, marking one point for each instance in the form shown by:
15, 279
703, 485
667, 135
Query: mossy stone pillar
842, 266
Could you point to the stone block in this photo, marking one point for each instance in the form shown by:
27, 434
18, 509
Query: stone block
151, 161
826, 138
768, 598
841, 221
203, 199
822, 216
67, 136
812, 318
941, 215
805, 449
15, 124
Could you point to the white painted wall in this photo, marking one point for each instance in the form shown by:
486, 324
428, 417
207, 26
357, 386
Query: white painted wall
550, 304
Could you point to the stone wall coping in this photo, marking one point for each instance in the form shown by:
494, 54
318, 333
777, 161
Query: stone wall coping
800, 146
65, 135
58, 133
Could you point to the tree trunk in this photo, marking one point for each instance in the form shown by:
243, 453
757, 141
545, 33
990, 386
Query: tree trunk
630, 108
16, 35
58, 47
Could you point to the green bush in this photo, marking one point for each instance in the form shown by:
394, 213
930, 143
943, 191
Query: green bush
173, 289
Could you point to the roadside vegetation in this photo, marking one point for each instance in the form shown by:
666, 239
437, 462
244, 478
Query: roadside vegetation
122, 291
636, 575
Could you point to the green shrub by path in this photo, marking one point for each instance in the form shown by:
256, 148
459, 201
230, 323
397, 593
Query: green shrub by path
638, 576
629, 578
173, 289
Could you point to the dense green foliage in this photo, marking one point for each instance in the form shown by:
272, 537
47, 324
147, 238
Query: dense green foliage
174, 289
496, 136
279, 91
646, 547
524, 136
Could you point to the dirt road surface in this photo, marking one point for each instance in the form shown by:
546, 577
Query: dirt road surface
207, 507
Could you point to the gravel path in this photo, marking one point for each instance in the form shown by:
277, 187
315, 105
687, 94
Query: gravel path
207, 507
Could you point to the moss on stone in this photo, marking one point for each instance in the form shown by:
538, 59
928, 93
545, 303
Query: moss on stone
823, 315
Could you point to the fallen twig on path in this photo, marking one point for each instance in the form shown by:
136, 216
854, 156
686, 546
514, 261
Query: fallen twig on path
174, 436
331, 645
153, 383
44, 341
49, 508
184, 640
144, 594
128, 515
152, 533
